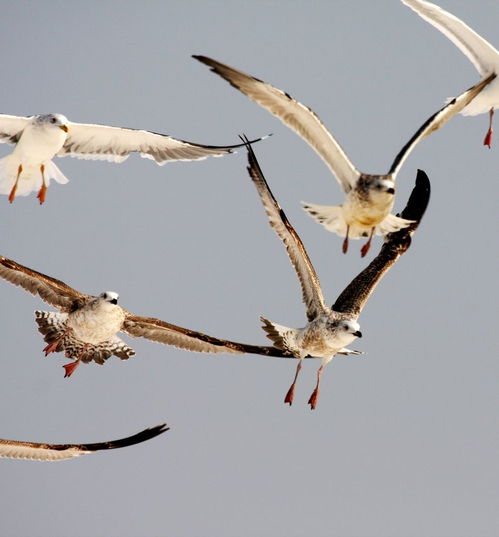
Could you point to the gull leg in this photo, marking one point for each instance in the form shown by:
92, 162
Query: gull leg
367, 245
43, 189
315, 394
12, 194
291, 392
488, 137
70, 368
345, 242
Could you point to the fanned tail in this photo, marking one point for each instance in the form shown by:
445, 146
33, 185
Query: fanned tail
330, 216
392, 223
30, 179
282, 337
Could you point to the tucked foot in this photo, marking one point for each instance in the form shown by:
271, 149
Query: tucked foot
313, 399
488, 137
367, 245
365, 248
41, 194
290, 395
345, 242
12, 195
70, 368
51, 347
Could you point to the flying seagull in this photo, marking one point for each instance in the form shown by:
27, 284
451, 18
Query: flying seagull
14, 449
85, 327
38, 139
369, 198
480, 52
329, 330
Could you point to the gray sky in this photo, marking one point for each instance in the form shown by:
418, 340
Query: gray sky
404, 441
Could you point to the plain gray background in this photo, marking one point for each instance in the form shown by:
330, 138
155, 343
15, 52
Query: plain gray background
404, 441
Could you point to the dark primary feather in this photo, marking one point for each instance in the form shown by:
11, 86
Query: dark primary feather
309, 281
356, 294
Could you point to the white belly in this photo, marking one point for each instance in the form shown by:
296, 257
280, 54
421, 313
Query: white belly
96, 325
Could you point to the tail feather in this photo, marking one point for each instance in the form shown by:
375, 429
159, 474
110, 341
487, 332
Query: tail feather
30, 179
330, 216
282, 337
53, 326
392, 223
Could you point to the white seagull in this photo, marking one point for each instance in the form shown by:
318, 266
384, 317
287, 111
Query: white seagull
38, 139
13, 449
329, 330
85, 327
479, 51
369, 198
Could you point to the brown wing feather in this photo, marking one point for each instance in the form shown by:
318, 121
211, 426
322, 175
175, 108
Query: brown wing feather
183, 338
309, 281
52, 452
52, 291
353, 299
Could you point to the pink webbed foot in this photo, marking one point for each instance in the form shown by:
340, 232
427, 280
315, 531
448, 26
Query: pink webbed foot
488, 137
365, 248
51, 347
367, 245
290, 395
41, 194
344, 248
70, 368
313, 399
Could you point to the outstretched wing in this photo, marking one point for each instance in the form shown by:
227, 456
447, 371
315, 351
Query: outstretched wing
310, 284
353, 299
11, 128
52, 291
183, 338
438, 119
296, 116
114, 144
480, 52
56, 452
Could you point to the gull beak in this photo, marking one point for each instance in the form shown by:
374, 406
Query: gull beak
64, 128
358, 333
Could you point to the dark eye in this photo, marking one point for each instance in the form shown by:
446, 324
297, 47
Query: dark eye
345, 328
53, 120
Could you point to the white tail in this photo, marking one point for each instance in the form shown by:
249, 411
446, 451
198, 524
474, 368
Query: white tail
31, 176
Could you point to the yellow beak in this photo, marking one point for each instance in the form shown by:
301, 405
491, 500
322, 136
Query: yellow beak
64, 128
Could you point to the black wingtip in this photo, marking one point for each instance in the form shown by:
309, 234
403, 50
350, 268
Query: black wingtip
144, 435
419, 198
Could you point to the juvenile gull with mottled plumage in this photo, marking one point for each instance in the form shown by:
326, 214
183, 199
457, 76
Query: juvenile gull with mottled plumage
329, 330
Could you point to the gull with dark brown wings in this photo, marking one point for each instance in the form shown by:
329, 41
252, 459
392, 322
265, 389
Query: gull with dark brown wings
14, 449
369, 200
85, 326
329, 330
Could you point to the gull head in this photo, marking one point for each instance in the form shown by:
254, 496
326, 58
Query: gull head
382, 185
53, 120
345, 331
110, 296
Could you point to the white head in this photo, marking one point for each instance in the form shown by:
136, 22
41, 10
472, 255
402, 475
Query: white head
110, 296
53, 120
382, 185
345, 331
